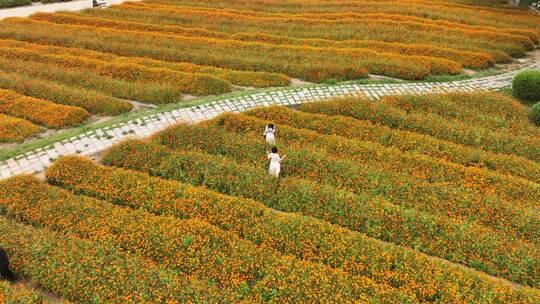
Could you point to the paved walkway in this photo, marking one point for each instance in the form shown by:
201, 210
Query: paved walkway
25, 11
97, 141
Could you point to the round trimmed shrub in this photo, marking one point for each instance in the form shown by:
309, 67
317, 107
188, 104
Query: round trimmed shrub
526, 85
534, 116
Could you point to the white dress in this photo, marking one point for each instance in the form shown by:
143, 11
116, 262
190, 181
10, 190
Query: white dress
275, 166
269, 135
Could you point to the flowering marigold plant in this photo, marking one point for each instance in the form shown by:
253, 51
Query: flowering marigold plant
85, 271
10, 293
304, 237
15, 129
41, 111
374, 216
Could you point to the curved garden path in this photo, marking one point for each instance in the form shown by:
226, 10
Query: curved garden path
25, 11
98, 140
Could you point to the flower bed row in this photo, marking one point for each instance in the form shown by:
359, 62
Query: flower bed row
85, 271
15, 129
337, 15
419, 48
141, 92
233, 263
489, 110
192, 247
467, 59
41, 111
364, 213
192, 83
304, 62
409, 141
471, 15
349, 29
242, 78
92, 101
304, 237
412, 24
313, 158
532, 34
15, 294
431, 124
481, 181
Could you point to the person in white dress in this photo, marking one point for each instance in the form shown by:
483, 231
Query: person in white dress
275, 162
270, 134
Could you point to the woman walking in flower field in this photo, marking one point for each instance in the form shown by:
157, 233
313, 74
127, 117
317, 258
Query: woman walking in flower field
275, 162
269, 134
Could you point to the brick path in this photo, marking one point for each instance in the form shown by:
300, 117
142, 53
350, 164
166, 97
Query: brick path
97, 141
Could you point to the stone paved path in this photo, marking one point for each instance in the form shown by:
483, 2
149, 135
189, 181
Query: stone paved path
25, 11
97, 141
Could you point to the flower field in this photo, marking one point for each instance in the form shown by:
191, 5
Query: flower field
363, 212
98, 62
14, 294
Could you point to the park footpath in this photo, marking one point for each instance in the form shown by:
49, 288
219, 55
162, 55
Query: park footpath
25, 11
96, 141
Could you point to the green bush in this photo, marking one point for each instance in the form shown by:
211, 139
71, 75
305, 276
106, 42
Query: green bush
526, 85
13, 3
534, 116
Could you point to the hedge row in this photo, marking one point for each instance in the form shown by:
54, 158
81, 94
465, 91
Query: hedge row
313, 157
376, 28
192, 83
90, 272
467, 59
489, 110
408, 141
92, 101
511, 18
281, 279
41, 111
141, 92
304, 62
17, 295
15, 129
192, 247
431, 124
390, 159
364, 213
242, 78
303, 237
